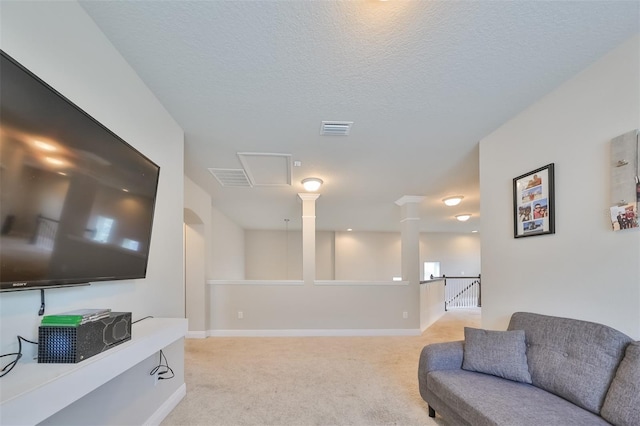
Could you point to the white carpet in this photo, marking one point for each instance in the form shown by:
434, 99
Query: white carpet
310, 380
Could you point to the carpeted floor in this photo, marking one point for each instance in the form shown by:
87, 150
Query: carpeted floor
310, 380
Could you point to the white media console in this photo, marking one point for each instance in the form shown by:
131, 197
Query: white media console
33, 392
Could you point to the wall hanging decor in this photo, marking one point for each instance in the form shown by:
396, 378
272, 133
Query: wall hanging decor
533, 203
625, 181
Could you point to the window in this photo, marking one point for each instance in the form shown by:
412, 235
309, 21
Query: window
431, 270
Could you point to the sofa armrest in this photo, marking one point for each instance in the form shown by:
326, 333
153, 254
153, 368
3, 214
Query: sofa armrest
439, 356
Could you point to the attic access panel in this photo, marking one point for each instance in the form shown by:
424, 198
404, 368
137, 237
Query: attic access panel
266, 169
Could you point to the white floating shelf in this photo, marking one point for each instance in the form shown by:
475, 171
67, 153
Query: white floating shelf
33, 392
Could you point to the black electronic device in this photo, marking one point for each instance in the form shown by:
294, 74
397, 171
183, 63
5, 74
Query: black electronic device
64, 344
76, 201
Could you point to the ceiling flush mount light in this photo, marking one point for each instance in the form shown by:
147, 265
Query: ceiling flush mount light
463, 217
312, 184
453, 201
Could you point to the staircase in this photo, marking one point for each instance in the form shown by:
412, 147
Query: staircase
462, 292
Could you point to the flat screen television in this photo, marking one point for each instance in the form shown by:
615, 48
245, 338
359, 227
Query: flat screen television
76, 201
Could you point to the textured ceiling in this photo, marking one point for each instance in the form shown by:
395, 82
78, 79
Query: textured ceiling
423, 82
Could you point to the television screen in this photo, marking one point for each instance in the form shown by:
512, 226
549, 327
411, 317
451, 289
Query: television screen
76, 201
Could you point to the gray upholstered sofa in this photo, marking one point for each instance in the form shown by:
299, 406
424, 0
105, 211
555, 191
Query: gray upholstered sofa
542, 371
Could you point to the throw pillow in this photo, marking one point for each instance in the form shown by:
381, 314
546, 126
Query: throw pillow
622, 403
499, 353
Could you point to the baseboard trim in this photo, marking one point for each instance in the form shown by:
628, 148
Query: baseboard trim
168, 406
316, 333
196, 334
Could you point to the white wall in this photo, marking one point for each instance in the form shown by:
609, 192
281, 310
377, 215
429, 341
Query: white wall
226, 259
373, 256
197, 205
458, 254
292, 308
270, 255
431, 302
325, 255
358, 299
368, 256
584, 270
62, 45
195, 290
273, 255
197, 219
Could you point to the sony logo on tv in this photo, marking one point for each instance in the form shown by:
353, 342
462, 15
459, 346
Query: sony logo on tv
18, 284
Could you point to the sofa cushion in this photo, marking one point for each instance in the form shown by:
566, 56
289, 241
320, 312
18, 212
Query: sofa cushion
499, 353
622, 404
468, 398
574, 359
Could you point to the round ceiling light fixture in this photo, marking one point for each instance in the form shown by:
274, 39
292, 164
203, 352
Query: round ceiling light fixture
312, 184
463, 217
453, 201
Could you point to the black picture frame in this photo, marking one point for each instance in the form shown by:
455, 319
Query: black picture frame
534, 203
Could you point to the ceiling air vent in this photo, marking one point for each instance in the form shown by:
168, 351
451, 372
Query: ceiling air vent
336, 128
231, 177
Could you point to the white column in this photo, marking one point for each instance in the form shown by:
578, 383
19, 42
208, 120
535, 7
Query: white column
410, 237
308, 237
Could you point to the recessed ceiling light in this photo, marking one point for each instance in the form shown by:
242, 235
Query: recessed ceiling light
453, 200
349, 229
463, 217
475, 231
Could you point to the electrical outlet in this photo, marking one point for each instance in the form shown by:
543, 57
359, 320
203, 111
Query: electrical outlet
240, 315
405, 315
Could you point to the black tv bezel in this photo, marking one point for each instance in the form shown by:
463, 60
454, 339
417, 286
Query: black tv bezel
12, 286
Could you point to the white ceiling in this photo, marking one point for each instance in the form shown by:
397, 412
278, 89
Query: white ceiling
423, 82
